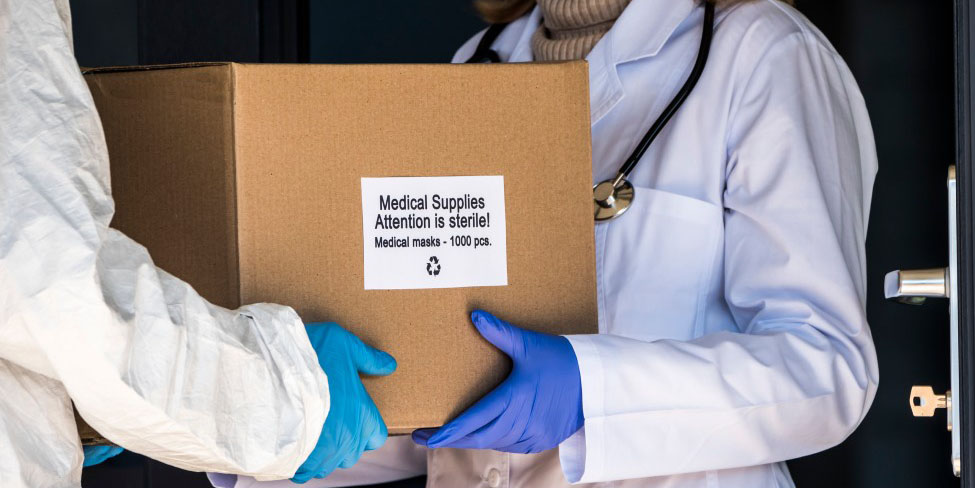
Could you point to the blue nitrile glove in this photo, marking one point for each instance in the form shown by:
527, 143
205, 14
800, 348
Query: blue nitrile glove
538, 406
98, 454
353, 424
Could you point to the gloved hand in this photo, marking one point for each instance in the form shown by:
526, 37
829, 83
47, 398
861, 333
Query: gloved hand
98, 454
353, 424
538, 406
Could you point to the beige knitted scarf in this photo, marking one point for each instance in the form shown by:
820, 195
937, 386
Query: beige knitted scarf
570, 28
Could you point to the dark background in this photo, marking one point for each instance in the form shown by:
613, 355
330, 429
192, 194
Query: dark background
899, 50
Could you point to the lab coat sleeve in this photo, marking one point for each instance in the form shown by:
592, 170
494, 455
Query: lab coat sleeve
147, 362
799, 370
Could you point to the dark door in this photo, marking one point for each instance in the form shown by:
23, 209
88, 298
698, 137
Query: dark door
901, 53
965, 223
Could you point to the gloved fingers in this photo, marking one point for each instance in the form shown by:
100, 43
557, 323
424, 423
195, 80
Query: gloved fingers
505, 430
484, 411
422, 436
475, 440
301, 477
471, 441
373, 440
378, 437
98, 454
114, 451
327, 469
319, 331
499, 333
350, 460
369, 360
312, 465
374, 430
317, 468
502, 431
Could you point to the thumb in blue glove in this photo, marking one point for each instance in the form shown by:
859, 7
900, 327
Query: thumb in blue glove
353, 424
98, 454
537, 407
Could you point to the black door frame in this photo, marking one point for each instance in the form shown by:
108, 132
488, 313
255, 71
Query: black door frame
965, 183
250, 31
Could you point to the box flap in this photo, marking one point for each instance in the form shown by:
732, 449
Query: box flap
170, 138
147, 67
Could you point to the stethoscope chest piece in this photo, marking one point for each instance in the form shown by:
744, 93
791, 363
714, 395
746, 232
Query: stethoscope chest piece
610, 201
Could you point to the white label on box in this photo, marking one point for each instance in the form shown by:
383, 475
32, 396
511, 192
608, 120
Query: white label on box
433, 232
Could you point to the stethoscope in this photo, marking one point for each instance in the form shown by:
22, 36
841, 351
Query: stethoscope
611, 198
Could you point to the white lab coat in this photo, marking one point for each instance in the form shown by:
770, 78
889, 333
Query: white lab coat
86, 316
732, 324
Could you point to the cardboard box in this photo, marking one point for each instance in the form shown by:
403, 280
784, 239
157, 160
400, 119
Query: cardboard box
246, 181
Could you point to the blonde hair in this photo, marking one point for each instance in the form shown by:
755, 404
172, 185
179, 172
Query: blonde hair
502, 11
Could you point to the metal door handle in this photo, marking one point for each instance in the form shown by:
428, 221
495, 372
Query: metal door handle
914, 287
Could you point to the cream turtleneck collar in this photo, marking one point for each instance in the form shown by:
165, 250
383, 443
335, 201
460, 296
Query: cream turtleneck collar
571, 28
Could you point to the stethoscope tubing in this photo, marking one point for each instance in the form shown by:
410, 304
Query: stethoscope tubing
678, 100
612, 197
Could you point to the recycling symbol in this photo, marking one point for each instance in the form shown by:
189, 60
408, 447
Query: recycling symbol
433, 266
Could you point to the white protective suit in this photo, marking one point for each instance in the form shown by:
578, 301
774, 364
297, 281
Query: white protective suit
86, 316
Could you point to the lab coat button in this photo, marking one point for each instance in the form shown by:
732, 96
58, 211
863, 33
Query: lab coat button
494, 478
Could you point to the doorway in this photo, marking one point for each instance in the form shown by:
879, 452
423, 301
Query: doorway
900, 51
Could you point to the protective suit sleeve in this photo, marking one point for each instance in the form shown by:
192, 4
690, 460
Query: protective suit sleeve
148, 363
36, 451
797, 371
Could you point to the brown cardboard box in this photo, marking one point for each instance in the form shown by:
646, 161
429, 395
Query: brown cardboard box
244, 180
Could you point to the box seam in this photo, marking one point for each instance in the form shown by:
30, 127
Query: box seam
234, 222
149, 67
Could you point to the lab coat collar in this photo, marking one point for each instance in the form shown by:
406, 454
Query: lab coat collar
523, 48
640, 32
644, 27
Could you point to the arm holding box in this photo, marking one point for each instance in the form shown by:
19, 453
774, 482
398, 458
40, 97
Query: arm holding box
85, 314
